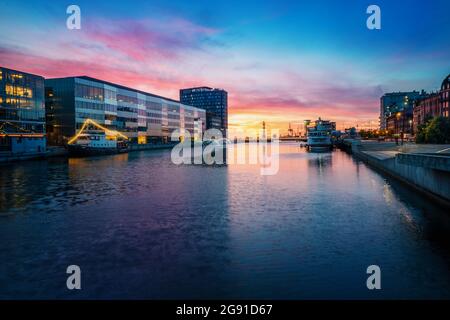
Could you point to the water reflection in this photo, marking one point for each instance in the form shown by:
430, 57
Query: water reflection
143, 227
320, 161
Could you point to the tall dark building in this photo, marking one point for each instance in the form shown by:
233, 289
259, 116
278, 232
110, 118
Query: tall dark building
22, 114
214, 101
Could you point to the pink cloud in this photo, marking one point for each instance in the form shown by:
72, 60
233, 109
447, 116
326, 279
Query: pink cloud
142, 40
164, 56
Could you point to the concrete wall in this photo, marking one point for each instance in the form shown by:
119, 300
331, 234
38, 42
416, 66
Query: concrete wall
27, 145
24, 149
433, 182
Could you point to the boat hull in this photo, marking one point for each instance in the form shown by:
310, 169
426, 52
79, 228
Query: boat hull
86, 151
320, 148
324, 145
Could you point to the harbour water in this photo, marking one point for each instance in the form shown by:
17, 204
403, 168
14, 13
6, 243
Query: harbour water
141, 227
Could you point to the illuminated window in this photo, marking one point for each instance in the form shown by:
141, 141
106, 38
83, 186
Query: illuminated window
142, 140
16, 76
9, 89
18, 91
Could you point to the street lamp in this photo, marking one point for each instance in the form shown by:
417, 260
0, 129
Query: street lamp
397, 127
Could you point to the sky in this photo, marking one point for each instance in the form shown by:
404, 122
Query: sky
280, 61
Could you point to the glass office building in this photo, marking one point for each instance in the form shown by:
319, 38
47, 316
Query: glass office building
214, 101
22, 113
142, 116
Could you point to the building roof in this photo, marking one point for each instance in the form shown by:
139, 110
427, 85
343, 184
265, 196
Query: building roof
22, 72
446, 83
117, 86
400, 93
202, 89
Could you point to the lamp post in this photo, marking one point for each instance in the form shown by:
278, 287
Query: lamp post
397, 127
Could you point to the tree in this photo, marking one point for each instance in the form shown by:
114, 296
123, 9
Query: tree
434, 130
438, 130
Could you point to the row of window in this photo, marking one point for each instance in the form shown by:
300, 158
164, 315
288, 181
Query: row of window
22, 115
89, 92
112, 108
154, 115
126, 109
173, 116
154, 121
19, 91
173, 124
123, 119
93, 93
93, 116
100, 94
90, 105
21, 103
24, 81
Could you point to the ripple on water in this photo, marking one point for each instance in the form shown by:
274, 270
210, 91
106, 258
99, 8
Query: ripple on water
142, 227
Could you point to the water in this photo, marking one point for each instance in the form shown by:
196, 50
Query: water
141, 227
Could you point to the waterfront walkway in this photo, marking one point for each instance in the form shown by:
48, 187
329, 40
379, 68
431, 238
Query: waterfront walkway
388, 150
405, 148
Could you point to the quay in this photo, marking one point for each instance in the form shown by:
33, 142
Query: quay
59, 151
425, 167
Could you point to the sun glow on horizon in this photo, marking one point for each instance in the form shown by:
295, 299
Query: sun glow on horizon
278, 77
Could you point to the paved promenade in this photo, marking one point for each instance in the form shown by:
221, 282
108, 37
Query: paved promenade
388, 150
409, 147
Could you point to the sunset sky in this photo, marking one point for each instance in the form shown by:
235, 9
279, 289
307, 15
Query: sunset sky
280, 61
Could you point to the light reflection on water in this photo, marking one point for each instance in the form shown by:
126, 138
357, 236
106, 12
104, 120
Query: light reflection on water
141, 227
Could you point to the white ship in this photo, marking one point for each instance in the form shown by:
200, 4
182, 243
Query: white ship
319, 136
100, 141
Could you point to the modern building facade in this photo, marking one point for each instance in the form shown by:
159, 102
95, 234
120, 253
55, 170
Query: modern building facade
432, 105
213, 121
214, 101
142, 116
22, 113
394, 102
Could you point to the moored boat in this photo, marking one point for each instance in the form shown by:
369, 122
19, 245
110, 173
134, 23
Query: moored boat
319, 136
93, 144
100, 141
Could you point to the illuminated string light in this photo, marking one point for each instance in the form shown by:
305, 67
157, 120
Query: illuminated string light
107, 131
